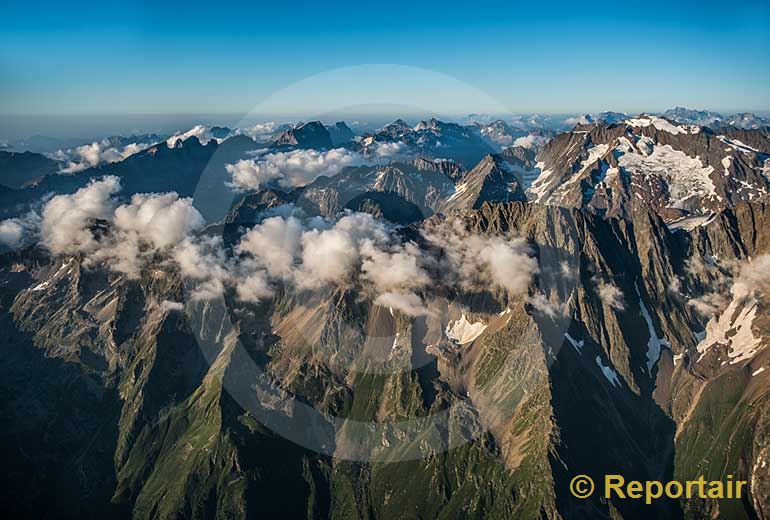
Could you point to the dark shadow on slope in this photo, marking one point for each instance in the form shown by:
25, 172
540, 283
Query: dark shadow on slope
58, 436
606, 429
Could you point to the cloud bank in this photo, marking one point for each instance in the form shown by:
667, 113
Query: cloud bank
90, 222
285, 249
94, 154
531, 141
290, 169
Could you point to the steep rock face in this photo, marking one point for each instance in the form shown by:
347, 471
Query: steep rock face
147, 426
649, 162
524, 162
250, 207
306, 135
719, 387
340, 133
451, 169
492, 180
386, 205
421, 182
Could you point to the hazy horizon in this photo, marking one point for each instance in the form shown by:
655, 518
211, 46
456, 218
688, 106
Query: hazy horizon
90, 126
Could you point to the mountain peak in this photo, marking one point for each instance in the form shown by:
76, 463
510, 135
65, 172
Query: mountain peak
306, 135
491, 180
340, 133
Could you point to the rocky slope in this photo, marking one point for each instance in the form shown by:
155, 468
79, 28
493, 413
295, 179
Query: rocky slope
433, 139
492, 180
21, 169
306, 135
601, 367
421, 182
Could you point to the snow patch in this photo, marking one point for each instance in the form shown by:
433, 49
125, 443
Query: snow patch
727, 162
594, 154
690, 223
575, 343
662, 124
608, 372
56, 276
687, 179
733, 328
540, 186
462, 331
735, 144
654, 343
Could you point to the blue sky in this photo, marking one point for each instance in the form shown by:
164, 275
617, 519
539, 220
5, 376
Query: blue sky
210, 57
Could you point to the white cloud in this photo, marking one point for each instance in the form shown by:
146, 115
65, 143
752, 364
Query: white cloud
612, 296
329, 255
11, 232
307, 255
253, 287
391, 150
390, 271
709, 304
169, 306
252, 174
316, 253
151, 222
203, 260
66, 218
506, 262
290, 169
203, 133
727, 277
19, 232
510, 262
573, 121
546, 306
160, 219
408, 303
261, 131
94, 154
274, 244
531, 141
131, 232
285, 248
755, 275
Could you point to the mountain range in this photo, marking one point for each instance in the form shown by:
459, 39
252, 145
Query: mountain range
431, 320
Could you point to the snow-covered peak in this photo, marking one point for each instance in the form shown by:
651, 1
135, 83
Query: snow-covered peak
662, 124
